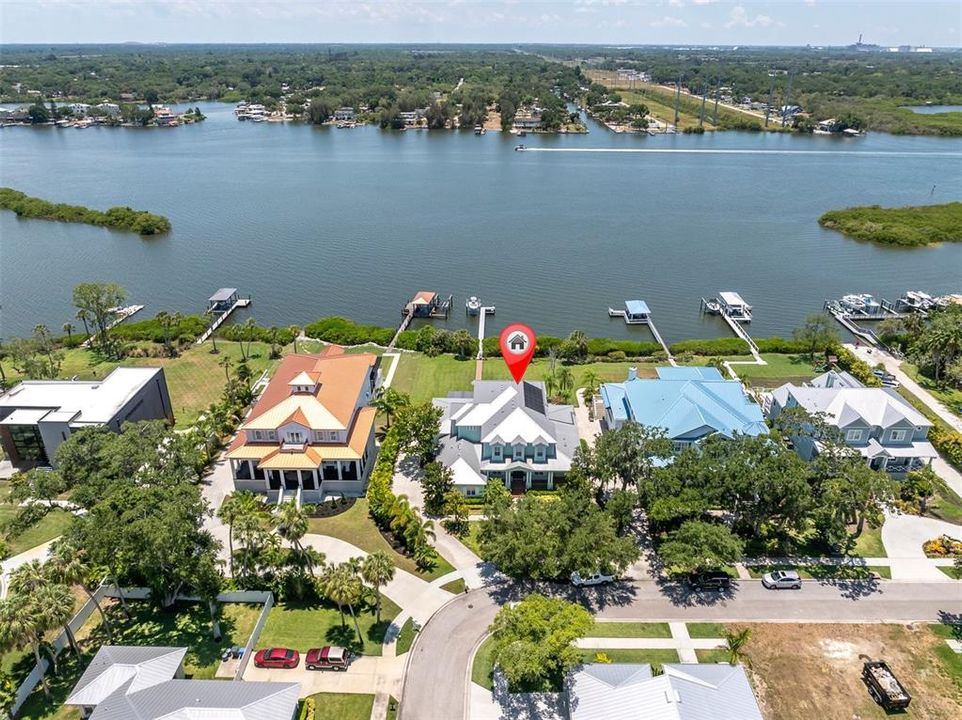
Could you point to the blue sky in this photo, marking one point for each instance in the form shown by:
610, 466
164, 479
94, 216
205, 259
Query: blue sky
776, 22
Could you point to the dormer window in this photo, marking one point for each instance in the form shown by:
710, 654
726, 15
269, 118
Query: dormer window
497, 452
540, 451
519, 452
303, 384
853, 435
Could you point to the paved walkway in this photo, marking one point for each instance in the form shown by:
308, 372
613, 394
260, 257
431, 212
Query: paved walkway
680, 641
874, 356
40, 552
389, 378
587, 428
903, 536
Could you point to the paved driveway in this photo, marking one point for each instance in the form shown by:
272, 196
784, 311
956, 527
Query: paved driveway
449, 639
367, 674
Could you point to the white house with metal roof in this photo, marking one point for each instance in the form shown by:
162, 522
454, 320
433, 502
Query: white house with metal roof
624, 691
146, 683
36, 416
507, 431
888, 432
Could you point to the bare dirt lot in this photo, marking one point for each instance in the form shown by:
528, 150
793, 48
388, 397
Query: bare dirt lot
814, 671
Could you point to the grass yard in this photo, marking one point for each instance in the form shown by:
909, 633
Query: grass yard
307, 625
343, 706
52, 525
814, 671
707, 630
827, 572
656, 658
951, 398
869, 543
629, 630
456, 586
356, 527
780, 369
953, 572
405, 638
187, 624
712, 656
483, 667
470, 540
424, 377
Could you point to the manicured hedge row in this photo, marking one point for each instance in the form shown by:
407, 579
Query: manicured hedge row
948, 443
857, 367
189, 327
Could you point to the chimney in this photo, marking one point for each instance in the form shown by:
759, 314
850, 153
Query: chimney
632, 373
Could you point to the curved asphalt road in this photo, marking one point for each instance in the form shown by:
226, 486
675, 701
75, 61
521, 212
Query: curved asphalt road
438, 672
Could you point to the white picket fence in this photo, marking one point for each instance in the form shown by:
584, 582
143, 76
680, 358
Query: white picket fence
108, 591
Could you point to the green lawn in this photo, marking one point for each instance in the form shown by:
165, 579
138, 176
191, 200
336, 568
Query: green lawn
712, 656
356, 527
308, 625
483, 667
780, 369
405, 638
616, 655
953, 572
827, 572
470, 540
52, 525
186, 624
629, 630
495, 369
950, 397
951, 660
456, 586
707, 630
869, 543
424, 377
343, 706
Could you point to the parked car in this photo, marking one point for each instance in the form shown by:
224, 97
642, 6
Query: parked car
284, 658
327, 658
596, 579
782, 580
714, 580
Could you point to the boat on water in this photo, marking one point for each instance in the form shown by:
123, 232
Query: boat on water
862, 303
472, 305
479, 130
520, 148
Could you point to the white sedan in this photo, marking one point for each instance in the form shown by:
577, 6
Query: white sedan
596, 579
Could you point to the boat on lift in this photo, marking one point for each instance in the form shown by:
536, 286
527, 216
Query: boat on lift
472, 305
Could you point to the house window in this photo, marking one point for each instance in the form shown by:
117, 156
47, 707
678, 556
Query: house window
471, 492
258, 435
332, 436
539, 452
295, 437
853, 436
679, 445
519, 452
898, 435
496, 451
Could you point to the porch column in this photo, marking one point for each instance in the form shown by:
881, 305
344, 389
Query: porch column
551, 480
267, 480
339, 475
527, 479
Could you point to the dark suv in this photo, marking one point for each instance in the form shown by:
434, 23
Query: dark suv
714, 580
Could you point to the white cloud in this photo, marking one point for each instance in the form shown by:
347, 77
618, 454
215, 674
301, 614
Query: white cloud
739, 18
668, 21
703, 2
677, 3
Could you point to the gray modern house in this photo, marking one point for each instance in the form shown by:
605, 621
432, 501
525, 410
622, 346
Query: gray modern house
624, 691
147, 683
888, 432
36, 416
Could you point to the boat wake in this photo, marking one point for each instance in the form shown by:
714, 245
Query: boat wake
722, 151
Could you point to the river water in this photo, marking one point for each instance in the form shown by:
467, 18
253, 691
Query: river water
318, 221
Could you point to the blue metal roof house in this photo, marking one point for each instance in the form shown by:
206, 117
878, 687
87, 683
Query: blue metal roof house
688, 402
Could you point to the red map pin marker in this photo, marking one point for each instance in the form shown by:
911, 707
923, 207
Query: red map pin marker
517, 348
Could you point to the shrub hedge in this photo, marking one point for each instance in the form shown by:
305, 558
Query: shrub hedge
189, 326
342, 331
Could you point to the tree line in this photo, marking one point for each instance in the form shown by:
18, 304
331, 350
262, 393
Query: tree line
117, 218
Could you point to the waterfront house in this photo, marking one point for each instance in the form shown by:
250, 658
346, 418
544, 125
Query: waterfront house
311, 433
344, 114
689, 403
507, 431
148, 683
527, 118
681, 692
888, 432
79, 109
36, 416
109, 108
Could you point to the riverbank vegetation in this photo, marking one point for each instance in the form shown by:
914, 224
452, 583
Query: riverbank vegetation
914, 226
116, 218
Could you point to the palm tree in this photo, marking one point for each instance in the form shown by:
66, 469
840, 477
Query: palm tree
291, 525
735, 642
295, 330
21, 624
418, 532
566, 380
68, 565
226, 362
68, 328
341, 585
377, 570
56, 603
28, 578
389, 401
250, 332
82, 317
234, 507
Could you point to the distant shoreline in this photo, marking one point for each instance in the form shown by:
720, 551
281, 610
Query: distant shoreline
914, 226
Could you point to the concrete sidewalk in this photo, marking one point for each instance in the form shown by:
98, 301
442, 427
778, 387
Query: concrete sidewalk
903, 537
680, 641
40, 552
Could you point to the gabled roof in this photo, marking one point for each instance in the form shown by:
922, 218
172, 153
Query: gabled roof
687, 402
121, 666
682, 692
844, 406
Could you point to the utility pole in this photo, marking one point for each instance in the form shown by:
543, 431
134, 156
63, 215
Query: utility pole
771, 96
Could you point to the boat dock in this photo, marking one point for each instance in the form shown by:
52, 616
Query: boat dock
221, 304
425, 304
734, 311
121, 313
484, 312
637, 312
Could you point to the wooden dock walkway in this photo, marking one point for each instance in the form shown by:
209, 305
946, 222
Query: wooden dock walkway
219, 320
743, 334
479, 362
122, 314
664, 345
847, 322
405, 322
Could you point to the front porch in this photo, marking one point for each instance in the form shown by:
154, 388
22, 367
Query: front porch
333, 477
519, 480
